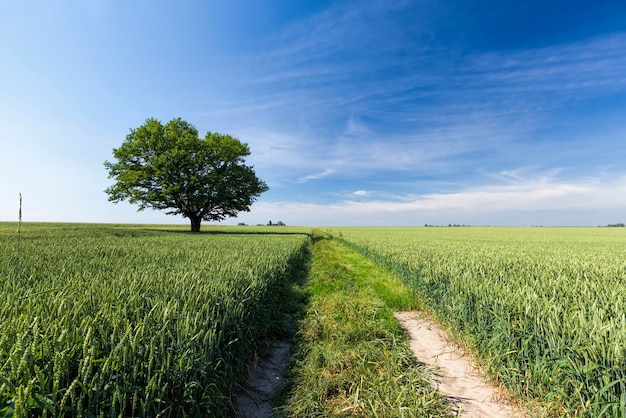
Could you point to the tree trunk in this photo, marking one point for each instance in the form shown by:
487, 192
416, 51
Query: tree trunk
195, 223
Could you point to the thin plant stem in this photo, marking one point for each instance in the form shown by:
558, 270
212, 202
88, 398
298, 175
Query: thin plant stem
19, 226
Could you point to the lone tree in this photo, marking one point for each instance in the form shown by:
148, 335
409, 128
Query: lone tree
170, 168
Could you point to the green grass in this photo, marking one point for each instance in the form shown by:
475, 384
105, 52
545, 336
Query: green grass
544, 308
118, 320
352, 358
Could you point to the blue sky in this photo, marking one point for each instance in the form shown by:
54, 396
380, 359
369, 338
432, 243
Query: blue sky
368, 112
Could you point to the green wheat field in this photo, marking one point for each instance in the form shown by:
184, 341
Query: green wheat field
544, 308
150, 320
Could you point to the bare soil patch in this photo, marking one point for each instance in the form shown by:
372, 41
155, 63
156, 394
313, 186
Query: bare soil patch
456, 375
263, 383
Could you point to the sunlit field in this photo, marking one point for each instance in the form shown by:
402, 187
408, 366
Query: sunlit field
142, 320
545, 308
119, 320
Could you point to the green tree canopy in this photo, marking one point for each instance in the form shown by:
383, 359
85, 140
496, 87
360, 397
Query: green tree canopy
171, 168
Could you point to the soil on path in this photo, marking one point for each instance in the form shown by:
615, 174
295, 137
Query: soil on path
456, 376
256, 398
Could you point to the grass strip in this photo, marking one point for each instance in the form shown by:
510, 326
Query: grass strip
351, 356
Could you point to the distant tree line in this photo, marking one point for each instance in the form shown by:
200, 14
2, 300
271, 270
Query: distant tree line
449, 225
270, 223
618, 225
279, 223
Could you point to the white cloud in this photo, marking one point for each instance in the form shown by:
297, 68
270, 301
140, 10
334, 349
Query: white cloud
316, 176
326, 90
541, 198
357, 128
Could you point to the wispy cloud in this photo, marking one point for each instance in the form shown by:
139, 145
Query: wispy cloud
544, 192
355, 91
315, 176
526, 175
349, 94
388, 107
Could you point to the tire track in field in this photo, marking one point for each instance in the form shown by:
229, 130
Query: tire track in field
266, 376
456, 376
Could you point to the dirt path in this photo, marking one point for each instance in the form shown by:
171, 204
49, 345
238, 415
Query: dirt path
255, 400
457, 376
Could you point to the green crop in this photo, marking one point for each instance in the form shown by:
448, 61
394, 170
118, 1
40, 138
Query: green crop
545, 308
134, 321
